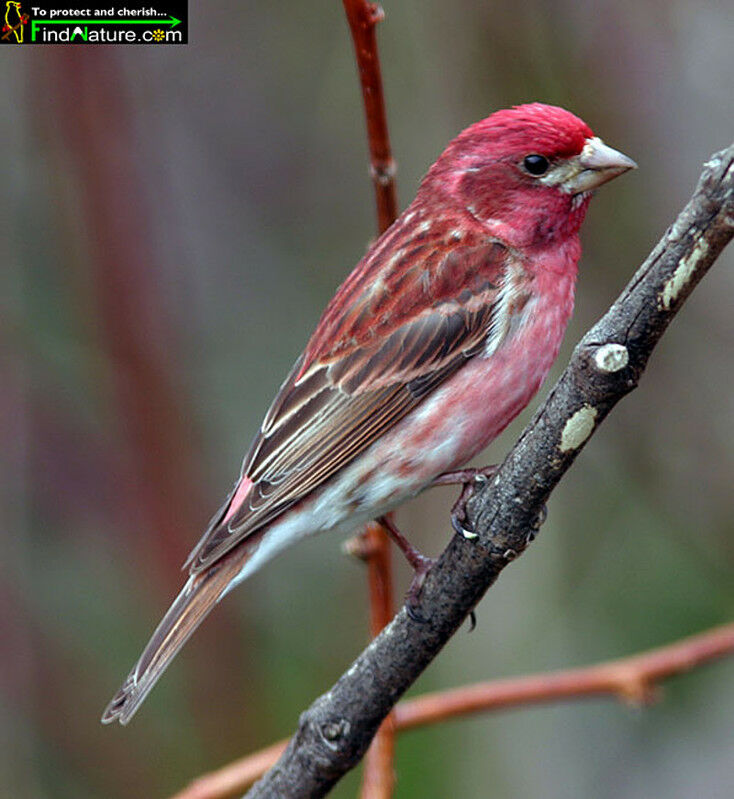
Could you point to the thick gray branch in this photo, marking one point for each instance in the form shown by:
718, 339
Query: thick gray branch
336, 730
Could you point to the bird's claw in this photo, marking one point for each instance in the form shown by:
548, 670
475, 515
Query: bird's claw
422, 566
470, 479
414, 613
457, 522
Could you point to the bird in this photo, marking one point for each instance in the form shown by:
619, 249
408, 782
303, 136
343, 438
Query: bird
439, 337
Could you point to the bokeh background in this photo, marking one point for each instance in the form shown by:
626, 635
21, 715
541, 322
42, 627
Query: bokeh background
173, 220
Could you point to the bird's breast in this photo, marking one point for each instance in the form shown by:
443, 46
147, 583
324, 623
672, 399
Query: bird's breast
473, 407
464, 414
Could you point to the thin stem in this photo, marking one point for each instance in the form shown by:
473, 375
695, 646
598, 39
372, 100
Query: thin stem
631, 679
362, 18
379, 778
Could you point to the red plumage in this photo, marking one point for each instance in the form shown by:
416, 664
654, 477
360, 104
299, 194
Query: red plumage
438, 338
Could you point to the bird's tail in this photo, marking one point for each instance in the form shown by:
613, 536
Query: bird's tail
201, 592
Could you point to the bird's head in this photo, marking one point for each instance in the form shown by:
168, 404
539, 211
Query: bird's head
527, 173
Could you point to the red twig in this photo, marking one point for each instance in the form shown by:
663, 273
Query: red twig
234, 778
379, 778
633, 679
362, 17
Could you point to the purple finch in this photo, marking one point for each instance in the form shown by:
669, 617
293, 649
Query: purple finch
439, 337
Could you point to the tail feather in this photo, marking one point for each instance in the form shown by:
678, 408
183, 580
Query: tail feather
201, 592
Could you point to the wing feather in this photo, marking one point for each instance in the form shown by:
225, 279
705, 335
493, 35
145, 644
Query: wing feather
358, 379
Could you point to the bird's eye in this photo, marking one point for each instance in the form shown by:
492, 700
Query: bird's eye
536, 164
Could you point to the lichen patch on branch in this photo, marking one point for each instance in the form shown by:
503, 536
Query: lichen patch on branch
578, 428
682, 274
611, 357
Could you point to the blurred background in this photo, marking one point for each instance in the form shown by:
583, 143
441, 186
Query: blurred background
174, 220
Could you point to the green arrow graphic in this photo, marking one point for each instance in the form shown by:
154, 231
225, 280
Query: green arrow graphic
172, 21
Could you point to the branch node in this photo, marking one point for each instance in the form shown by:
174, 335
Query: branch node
333, 731
358, 547
375, 13
611, 357
636, 691
384, 172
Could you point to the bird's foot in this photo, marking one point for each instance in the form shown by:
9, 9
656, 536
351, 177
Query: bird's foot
470, 480
413, 596
420, 563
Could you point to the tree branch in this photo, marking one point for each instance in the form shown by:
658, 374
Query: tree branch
336, 730
633, 679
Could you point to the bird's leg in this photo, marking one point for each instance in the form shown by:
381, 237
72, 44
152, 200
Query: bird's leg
470, 479
420, 563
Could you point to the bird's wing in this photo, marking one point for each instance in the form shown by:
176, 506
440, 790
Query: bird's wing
388, 338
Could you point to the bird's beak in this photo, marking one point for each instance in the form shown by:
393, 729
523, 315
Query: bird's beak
596, 165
